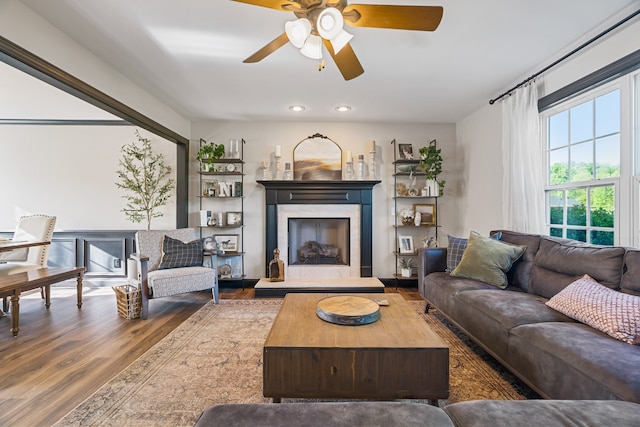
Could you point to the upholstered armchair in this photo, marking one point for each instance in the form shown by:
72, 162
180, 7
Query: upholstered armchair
31, 228
171, 262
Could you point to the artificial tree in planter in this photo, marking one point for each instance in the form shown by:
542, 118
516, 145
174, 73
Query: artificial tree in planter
209, 153
431, 165
145, 178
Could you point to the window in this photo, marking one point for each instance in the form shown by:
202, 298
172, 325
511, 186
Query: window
584, 142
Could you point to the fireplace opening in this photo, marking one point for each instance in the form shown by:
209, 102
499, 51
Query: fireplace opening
319, 241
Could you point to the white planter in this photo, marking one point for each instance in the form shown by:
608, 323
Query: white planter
405, 272
431, 188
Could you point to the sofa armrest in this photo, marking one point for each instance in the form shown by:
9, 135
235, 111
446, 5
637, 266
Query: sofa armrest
430, 260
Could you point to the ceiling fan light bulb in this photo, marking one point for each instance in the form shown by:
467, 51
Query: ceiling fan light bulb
330, 22
312, 47
298, 31
340, 41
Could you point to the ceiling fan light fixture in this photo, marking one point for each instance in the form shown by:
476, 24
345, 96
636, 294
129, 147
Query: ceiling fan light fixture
312, 47
330, 23
298, 31
340, 41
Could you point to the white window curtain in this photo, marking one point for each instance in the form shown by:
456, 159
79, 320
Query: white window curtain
523, 164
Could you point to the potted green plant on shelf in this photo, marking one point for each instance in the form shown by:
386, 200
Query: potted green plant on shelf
208, 154
431, 165
406, 267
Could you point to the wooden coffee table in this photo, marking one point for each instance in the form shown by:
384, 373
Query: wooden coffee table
396, 357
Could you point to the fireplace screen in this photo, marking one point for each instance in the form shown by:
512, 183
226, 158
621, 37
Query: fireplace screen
319, 241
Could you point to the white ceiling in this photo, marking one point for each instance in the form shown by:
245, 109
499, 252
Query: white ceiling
189, 53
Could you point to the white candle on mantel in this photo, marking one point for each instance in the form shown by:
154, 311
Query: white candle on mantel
349, 157
278, 151
372, 147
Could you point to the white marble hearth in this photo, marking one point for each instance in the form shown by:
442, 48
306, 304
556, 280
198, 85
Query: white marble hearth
267, 288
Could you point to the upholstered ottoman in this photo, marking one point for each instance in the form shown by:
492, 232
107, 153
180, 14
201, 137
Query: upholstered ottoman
325, 414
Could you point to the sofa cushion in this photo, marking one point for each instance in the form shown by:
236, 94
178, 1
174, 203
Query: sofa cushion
630, 282
456, 247
177, 254
571, 360
612, 312
488, 315
172, 281
441, 288
520, 273
487, 260
560, 261
323, 414
507, 413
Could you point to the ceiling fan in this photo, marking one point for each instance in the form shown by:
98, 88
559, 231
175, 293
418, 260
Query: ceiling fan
320, 23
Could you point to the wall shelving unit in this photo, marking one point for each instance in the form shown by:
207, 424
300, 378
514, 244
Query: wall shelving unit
410, 193
222, 211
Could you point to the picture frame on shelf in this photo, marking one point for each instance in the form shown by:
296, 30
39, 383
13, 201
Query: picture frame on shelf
405, 245
234, 218
427, 213
205, 217
405, 151
227, 242
209, 188
237, 189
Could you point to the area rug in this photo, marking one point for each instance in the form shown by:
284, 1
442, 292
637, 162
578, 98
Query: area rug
215, 357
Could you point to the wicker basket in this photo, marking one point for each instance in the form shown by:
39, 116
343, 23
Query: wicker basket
128, 301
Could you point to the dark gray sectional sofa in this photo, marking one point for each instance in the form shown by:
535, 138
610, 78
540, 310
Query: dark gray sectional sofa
558, 357
478, 413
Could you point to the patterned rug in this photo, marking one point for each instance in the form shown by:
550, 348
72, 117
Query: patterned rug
215, 357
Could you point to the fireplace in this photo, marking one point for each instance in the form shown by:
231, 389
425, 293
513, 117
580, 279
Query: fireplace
319, 241
327, 216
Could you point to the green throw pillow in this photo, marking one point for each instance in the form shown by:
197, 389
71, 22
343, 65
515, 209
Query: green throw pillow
488, 260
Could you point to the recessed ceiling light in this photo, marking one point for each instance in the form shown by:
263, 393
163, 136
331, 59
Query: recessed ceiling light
297, 108
343, 108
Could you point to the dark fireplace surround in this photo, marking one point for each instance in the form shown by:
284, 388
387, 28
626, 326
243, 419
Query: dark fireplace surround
321, 193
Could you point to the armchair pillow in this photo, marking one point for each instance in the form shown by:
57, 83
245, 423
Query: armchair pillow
487, 260
177, 254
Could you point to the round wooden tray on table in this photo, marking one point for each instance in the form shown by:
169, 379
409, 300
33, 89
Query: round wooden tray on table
348, 310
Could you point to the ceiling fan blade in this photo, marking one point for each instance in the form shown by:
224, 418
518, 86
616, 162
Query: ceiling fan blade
346, 60
284, 5
268, 49
421, 18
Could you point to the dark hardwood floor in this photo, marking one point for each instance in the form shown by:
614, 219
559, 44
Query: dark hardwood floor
62, 355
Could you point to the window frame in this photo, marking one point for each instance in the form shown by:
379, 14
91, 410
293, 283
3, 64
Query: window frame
626, 186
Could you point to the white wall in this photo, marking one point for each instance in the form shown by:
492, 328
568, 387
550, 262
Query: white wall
70, 172
261, 139
479, 154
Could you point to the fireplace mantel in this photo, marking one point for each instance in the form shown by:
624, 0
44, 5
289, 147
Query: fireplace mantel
321, 192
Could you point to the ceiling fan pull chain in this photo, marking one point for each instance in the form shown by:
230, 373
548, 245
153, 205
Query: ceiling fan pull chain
321, 65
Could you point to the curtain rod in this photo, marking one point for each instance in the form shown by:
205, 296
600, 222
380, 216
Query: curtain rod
582, 46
